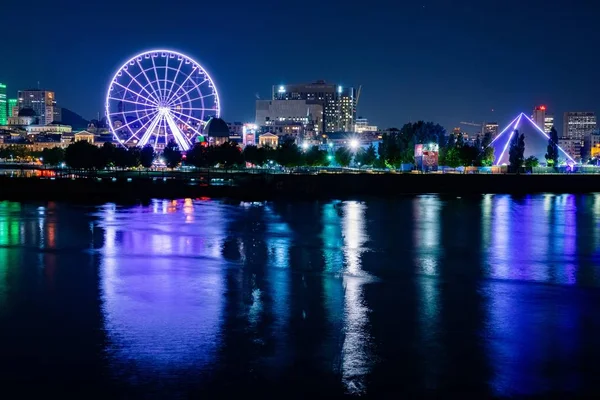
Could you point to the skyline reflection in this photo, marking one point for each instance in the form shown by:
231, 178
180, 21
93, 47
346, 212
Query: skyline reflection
493, 294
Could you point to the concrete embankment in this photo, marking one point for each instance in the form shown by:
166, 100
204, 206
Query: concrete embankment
267, 187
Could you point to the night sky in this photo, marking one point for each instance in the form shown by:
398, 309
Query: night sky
444, 61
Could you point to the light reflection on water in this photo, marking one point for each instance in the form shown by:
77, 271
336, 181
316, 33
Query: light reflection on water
495, 294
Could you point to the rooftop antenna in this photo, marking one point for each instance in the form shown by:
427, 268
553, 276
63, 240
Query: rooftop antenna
38, 85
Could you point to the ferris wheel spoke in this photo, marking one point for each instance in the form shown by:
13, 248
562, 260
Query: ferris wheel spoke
134, 121
180, 138
201, 97
196, 109
188, 116
156, 75
125, 112
175, 100
187, 78
144, 140
133, 102
151, 102
146, 76
135, 135
166, 76
154, 99
174, 80
187, 125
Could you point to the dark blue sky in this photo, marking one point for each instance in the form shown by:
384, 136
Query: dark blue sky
444, 61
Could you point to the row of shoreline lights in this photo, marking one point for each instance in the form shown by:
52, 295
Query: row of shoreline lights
354, 144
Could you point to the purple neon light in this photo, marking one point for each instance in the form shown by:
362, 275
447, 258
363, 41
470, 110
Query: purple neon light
507, 143
160, 97
505, 129
515, 127
548, 137
509, 138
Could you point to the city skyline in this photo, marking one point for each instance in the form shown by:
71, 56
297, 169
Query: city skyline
432, 61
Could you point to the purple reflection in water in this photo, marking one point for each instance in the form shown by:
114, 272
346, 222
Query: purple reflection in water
162, 290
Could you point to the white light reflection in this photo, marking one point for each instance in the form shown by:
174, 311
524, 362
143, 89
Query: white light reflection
356, 353
427, 233
426, 216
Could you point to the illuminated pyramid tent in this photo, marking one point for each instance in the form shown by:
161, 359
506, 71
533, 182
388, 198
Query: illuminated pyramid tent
536, 141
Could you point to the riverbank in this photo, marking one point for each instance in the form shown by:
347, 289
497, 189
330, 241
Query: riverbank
267, 187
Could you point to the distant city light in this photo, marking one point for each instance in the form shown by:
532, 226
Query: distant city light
339, 89
330, 144
281, 89
305, 145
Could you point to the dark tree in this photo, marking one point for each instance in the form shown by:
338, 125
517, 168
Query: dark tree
228, 155
172, 154
315, 157
199, 156
552, 149
486, 155
289, 154
83, 155
366, 156
531, 162
54, 156
343, 157
147, 156
108, 154
516, 153
120, 157
255, 155
134, 157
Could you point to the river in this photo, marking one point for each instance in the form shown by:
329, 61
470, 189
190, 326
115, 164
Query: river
486, 296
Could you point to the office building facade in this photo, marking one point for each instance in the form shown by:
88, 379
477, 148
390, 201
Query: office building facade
13, 108
3, 105
548, 123
289, 116
338, 102
578, 125
42, 102
539, 116
491, 128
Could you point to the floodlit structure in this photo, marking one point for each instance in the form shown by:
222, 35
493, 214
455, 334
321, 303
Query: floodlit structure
158, 96
536, 141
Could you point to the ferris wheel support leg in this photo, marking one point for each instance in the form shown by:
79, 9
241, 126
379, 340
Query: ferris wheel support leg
179, 137
144, 139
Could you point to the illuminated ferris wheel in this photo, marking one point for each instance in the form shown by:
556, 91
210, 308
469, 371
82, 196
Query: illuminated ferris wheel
160, 96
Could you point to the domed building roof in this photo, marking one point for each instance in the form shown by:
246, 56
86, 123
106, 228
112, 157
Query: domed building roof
27, 112
216, 127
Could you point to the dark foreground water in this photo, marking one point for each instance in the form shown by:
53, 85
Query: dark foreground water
487, 296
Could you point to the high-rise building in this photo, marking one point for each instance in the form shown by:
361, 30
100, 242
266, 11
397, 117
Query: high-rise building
3, 105
492, 128
13, 108
339, 103
289, 116
42, 102
539, 116
577, 125
548, 123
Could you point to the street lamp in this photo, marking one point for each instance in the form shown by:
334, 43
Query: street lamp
305, 145
330, 145
354, 144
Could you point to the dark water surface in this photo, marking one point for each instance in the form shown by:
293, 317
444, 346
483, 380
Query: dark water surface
487, 296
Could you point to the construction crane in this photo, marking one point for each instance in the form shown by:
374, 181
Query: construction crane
481, 126
357, 96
